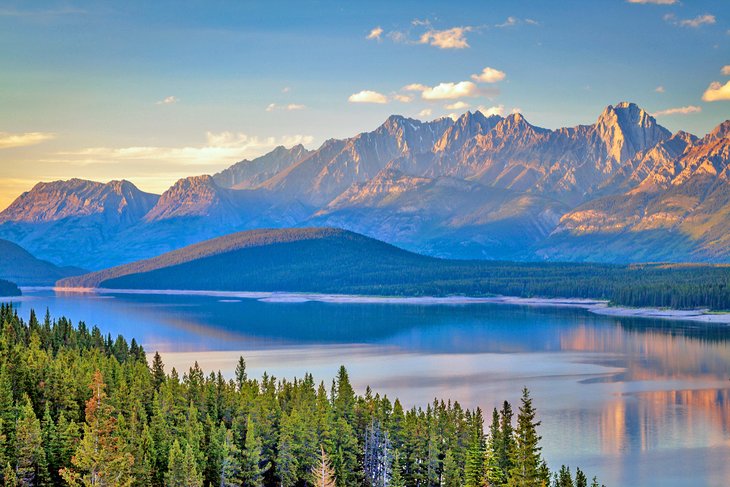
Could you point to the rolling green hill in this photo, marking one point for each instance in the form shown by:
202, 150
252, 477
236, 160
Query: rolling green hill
19, 266
328, 260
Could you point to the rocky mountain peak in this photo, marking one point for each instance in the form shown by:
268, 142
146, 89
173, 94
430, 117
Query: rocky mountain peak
118, 201
722, 131
627, 129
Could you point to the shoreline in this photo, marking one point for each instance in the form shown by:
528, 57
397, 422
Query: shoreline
595, 306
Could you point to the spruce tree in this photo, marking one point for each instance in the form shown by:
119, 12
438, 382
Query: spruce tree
158, 371
231, 468
252, 473
526, 458
452, 473
474, 467
580, 478
101, 457
493, 472
182, 469
31, 467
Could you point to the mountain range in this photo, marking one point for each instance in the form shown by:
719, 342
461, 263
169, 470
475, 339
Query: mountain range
622, 189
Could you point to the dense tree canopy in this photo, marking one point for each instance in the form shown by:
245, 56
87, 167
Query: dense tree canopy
81, 408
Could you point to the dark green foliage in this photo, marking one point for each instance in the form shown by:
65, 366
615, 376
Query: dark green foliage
8, 288
336, 261
81, 407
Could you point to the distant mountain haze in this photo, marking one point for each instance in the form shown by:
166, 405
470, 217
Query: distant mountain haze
622, 189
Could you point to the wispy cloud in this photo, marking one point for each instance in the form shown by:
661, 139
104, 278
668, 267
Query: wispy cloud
509, 22
700, 20
489, 75
454, 38
426, 112
402, 98
725, 70
717, 92
493, 110
375, 34
168, 100
9, 140
219, 149
513, 21
678, 111
290, 107
659, 89
368, 96
459, 105
653, 2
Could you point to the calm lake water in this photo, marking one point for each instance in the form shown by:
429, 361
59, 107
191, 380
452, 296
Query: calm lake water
637, 402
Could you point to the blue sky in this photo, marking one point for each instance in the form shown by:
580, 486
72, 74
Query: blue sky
154, 91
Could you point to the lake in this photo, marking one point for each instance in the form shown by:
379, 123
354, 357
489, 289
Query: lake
637, 402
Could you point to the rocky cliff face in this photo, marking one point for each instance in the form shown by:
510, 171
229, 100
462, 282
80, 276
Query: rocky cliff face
116, 202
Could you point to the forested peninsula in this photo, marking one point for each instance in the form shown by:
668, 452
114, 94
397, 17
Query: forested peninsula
78, 407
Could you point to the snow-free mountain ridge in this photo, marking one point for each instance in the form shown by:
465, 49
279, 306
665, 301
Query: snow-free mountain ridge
621, 189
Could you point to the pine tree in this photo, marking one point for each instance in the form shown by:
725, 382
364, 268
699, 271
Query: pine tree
396, 472
231, 469
452, 473
580, 478
241, 377
324, 476
101, 458
158, 371
252, 473
474, 467
493, 472
563, 478
286, 460
182, 469
31, 466
526, 458
506, 444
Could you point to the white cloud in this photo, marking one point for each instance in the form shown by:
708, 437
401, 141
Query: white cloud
398, 36
678, 111
655, 2
291, 106
511, 21
286, 89
368, 96
532, 22
489, 75
426, 112
659, 89
725, 70
459, 105
415, 87
168, 100
402, 98
375, 34
446, 91
489, 111
453, 38
453, 116
698, 21
219, 149
516, 110
8, 140
717, 92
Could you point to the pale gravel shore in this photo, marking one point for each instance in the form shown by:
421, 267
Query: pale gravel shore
599, 307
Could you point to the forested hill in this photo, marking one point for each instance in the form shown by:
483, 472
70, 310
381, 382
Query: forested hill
326, 260
19, 266
8, 288
78, 408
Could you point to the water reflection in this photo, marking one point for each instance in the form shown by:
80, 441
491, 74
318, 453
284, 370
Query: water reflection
636, 401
